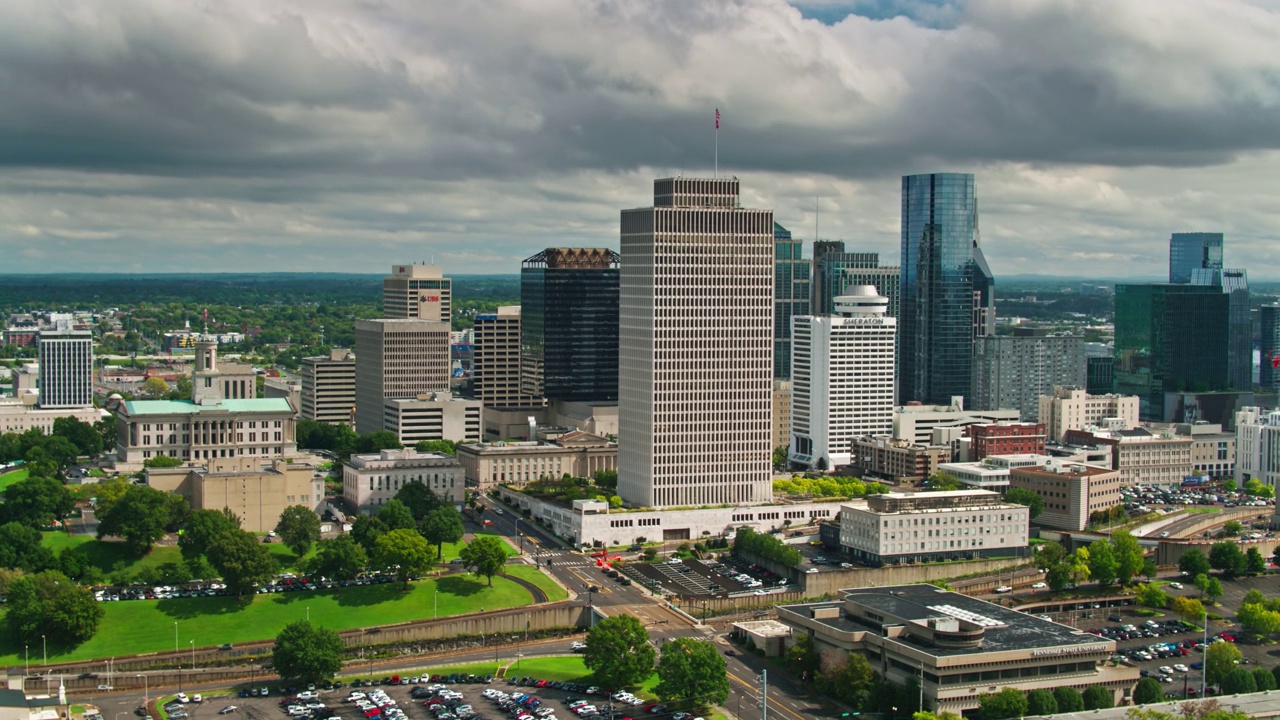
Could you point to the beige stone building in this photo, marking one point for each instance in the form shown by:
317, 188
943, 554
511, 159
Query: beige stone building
1071, 491
417, 292
574, 453
495, 367
898, 528
1213, 452
370, 480
1071, 408
897, 460
1143, 456
781, 413
255, 491
329, 387
397, 359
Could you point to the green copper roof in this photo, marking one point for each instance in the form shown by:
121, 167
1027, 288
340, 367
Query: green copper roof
184, 407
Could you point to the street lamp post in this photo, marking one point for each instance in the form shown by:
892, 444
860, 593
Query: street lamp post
193, 653
146, 691
26, 652
45, 642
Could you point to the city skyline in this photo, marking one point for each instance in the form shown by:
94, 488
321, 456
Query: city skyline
397, 134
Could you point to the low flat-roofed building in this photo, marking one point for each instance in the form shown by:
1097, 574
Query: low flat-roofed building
1213, 451
438, 416
1004, 438
956, 646
18, 415
257, 490
573, 452
17, 705
917, 423
898, 460
769, 636
981, 475
898, 528
370, 480
1071, 491
1143, 456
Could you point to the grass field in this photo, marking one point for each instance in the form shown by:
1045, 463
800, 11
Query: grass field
105, 554
141, 626
12, 477
537, 577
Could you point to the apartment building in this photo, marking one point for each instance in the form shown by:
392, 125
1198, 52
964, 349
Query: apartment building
1143, 456
1071, 408
899, 528
1005, 438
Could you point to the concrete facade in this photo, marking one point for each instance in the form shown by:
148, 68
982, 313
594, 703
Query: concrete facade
981, 475
1213, 452
897, 460
1071, 491
1143, 456
907, 528
916, 423
438, 416
781, 413
1258, 446
397, 359
1071, 408
495, 368
417, 292
19, 416
1011, 371
574, 453
256, 492
370, 480
329, 387
66, 367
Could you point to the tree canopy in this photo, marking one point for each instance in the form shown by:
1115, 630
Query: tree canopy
307, 653
50, 604
486, 556
1194, 562
692, 671
443, 525
1097, 697
298, 528
142, 516
1227, 558
765, 546
1220, 658
341, 558
404, 552
1022, 496
618, 652
36, 502
1002, 705
241, 560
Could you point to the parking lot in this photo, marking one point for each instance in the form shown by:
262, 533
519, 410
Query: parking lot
434, 697
695, 578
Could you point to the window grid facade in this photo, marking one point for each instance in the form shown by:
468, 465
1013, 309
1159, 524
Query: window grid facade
329, 387
66, 368
397, 359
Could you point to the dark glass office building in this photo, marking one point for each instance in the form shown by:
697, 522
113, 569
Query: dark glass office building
569, 325
1170, 338
1192, 251
948, 292
791, 295
829, 263
1269, 370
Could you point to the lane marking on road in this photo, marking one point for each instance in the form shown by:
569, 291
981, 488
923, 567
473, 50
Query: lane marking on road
773, 703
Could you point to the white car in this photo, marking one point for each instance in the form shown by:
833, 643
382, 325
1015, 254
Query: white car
197, 699
500, 511
1004, 589
1039, 586
1175, 585
182, 698
1181, 668
307, 695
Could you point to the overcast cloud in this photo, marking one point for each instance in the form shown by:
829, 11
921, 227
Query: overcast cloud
243, 135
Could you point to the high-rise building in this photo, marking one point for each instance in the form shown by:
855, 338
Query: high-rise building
791, 295
1192, 251
569, 324
1269, 370
417, 292
1258, 446
329, 387
1234, 283
886, 280
66, 367
842, 385
1070, 408
948, 296
696, 347
829, 261
397, 359
495, 364
1014, 371
1170, 338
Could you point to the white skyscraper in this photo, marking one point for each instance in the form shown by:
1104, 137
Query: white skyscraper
695, 348
66, 367
842, 379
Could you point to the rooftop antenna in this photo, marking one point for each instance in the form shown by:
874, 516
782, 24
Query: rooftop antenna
717, 143
815, 218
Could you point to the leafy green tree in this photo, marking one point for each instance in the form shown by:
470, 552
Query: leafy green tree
618, 652
142, 516
1002, 705
36, 501
765, 546
1102, 562
52, 605
1128, 554
779, 457
607, 479
1227, 558
155, 387
941, 481
486, 555
1232, 528
377, 441
20, 548
1058, 576
1041, 702
1049, 554
162, 461
418, 498
1149, 569
1255, 564
338, 438
203, 528
1069, 699
108, 431
1193, 562
241, 560
443, 525
307, 653
298, 528
1237, 681
1228, 485
1097, 697
440, 447
403, 551
78, 433
851, 683
108, 491
1189, 609
394, 515
1022, 496
1213, 589
1080, 567
693, 672
1263, 679
366, 531
1257, 619
1148, 691
1220, 658
1151, 596
341, 558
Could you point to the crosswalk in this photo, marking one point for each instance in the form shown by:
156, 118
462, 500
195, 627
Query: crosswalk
562, 559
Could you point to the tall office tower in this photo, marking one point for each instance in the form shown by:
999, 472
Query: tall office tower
1269, 370
696, 359
495, 364
66, 367
569, 325
948, 292
1014, 371
791, 295
886, 280
1234, 283
417, 292
397, 359
842, 386
829, 261
1170, 338
329, 387
1192, 251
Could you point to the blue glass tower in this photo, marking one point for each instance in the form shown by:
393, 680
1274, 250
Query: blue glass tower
948, 292
1193, 251
791, 295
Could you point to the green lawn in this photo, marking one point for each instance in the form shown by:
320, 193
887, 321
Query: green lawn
104, 554
1203, 510
12, 477
537, 577
140, 626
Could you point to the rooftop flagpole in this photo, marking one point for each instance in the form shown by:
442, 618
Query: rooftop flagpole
717, 143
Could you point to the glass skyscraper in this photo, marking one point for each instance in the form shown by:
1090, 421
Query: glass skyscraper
1191, 251
1170, 338
569, 325
948, 292
829, 263
791, 295
1269, 370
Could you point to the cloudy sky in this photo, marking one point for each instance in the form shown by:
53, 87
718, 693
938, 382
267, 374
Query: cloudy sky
292, 135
